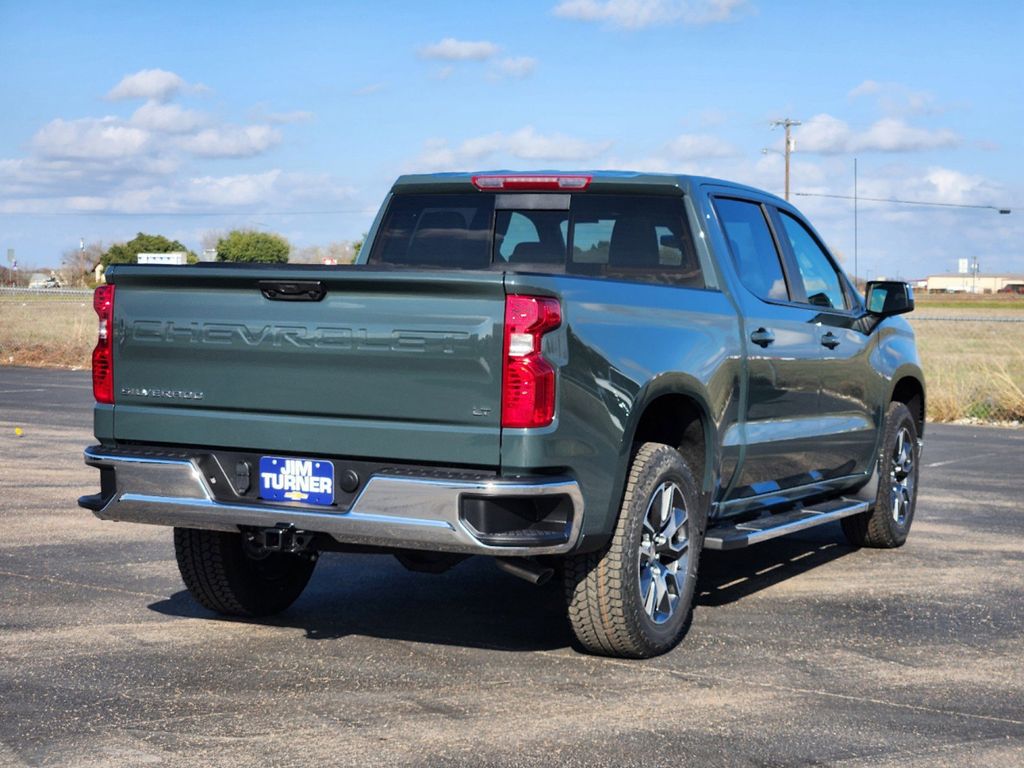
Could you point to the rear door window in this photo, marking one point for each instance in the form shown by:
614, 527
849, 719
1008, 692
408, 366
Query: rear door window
530, 237
450, 231
753, 248
641, 238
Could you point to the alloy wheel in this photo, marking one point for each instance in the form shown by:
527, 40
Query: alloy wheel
664, 552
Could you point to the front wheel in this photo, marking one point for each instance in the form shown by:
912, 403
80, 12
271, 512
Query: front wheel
887, 524
634, 598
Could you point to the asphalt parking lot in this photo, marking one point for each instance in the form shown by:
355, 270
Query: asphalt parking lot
803, 651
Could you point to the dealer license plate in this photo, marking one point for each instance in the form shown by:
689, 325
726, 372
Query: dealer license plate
310, 481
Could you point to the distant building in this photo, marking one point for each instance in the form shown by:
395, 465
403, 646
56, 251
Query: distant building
979, 283
174, 257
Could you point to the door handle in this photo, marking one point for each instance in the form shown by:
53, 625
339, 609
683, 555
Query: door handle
830, 340
762, 337
293, 290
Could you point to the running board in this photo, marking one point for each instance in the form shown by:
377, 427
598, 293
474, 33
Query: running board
739, 535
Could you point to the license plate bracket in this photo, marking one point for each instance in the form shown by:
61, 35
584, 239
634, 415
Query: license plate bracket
295, 479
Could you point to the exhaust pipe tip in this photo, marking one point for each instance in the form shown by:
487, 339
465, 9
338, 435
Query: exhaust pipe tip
527, 569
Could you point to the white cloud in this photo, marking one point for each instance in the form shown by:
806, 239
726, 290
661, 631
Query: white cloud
157, 84
636, 14
231, 141
694, 146
517, 66
366, 90
450, 49
90, 138
152, 160
231, 191
167, 118
894, 135
525, 144
897, 98
945, 185
826, 135
867, 88
270, 188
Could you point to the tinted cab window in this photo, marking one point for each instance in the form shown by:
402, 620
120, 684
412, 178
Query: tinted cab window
641, 238
753, 248
820, 280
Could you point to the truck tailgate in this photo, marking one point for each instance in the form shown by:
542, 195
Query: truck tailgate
403, 366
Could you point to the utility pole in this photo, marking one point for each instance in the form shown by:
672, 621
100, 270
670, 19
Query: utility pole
787, 124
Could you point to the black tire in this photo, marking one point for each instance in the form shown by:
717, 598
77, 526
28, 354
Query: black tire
605, 590
223, 576
887, 523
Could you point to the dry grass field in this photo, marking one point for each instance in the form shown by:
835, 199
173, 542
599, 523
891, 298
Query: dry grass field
47, 331
974, 364
974, 368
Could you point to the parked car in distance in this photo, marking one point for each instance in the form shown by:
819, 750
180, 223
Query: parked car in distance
41, 280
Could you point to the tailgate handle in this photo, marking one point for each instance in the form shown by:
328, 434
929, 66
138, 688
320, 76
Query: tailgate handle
293, 290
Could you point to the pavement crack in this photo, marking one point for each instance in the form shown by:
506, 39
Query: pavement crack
698, 677
66, 583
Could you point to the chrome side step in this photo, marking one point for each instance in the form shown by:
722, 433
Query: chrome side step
739, 535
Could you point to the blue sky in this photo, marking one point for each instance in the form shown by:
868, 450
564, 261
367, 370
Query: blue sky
187, 118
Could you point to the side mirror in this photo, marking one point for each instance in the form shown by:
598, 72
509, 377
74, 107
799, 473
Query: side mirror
889, 297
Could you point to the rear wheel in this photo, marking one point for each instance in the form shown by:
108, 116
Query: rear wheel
226, 576
887, 524
635, 597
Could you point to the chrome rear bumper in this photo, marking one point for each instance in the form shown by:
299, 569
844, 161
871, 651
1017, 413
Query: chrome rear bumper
391, 510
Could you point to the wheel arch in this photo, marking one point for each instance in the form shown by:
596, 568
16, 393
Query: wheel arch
674, 410
908, 388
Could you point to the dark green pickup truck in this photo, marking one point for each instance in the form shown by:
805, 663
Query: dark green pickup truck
589, 374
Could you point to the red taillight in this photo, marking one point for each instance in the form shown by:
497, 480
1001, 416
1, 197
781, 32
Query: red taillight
528, 379
555, 182
103, 355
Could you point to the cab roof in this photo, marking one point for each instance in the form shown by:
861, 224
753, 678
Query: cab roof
600, 181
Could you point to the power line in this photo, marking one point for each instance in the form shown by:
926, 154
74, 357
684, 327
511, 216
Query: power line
905, 202
116, 214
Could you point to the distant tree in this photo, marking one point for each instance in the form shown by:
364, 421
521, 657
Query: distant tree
128, 253
78, 264
247, 246
357, 246
14, 278
341, 252
211, 237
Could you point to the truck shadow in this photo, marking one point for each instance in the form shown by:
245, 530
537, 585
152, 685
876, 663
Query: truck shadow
726, 577
475, 605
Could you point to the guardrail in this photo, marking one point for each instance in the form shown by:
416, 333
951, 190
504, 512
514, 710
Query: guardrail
45, 294
964, 319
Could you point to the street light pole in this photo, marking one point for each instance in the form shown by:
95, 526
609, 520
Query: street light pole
788, 125
855, 222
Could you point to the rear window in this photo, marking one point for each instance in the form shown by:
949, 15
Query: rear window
630, 237
452, 231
